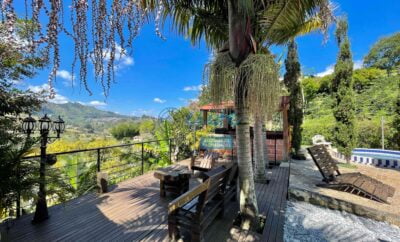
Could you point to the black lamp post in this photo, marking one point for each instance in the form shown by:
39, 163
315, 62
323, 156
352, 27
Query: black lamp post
45, 125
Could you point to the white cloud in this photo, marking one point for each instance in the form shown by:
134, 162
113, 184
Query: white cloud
159, 100
96, 103
45, 89
328, 70
121, 58
64, 74
358, 64
193, 88
188, 100
141, 112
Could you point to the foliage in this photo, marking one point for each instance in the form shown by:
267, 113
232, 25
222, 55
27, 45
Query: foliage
313, 86
395, 139
125, 130
18, 176
292, 82
261, 73
365, 77
15, 63
147, 126
385, 54
375, 101
47, 18
342, 87
183, 127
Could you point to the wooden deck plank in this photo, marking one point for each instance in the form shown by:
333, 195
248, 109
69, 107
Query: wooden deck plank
272, 206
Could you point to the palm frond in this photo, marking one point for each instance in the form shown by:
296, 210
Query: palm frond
261, 88
284, 19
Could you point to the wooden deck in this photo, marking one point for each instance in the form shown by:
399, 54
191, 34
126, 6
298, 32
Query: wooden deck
134, 211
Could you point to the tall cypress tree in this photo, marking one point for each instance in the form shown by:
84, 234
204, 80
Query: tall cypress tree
292, 82
396, 121
342, 86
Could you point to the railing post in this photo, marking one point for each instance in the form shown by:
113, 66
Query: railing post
18, 205
98, 160
142, 158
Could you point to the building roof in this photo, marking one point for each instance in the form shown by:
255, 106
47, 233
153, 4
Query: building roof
230, 105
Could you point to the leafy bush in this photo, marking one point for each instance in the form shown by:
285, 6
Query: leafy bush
323, 126
125, 130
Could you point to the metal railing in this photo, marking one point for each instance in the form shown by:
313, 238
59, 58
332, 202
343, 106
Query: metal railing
75, 171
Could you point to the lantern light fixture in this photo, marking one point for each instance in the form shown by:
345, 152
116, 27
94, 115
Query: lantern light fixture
28, 125
44, 124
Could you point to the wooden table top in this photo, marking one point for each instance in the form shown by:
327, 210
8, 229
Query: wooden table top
171, 172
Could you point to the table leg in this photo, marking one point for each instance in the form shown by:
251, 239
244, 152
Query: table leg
162, 189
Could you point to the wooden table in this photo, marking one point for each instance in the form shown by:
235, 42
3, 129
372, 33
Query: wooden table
174, 179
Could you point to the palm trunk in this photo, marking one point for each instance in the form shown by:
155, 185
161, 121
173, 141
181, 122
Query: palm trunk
259, 159
239, 49
248, 200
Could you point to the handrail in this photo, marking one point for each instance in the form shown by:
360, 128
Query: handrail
93, 149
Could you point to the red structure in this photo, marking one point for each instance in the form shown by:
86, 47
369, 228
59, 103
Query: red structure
278, 141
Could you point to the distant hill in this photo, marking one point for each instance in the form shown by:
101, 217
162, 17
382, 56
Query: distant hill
82, 116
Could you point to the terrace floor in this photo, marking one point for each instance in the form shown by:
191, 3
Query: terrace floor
134, 211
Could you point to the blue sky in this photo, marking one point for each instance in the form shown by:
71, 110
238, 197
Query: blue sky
161, 74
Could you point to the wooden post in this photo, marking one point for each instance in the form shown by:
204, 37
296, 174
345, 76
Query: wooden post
142, 158
205, 118
170, 151
98, 160
285, 131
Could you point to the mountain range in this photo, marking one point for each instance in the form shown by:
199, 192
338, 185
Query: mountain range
82, 116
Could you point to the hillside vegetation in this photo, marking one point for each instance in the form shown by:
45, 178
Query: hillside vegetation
375, 97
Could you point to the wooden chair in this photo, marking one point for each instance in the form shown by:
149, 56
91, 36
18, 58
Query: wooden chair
355, 183
205, 163
192, 212
231, 184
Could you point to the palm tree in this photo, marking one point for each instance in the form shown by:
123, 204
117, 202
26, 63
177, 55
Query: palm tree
259, 148
238, 30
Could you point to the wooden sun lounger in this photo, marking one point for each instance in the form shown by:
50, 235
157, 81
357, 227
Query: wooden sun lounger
205, 163
355, 183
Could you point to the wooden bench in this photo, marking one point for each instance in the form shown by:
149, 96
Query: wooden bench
355, 183
191, 213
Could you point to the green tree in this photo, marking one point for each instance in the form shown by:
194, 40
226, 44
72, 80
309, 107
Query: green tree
385, 54
146, 126
292, 82
125, 130
17, 174
342, 85
365, 77
16, 62
396, 120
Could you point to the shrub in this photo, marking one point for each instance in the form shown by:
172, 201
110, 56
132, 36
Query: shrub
125, 130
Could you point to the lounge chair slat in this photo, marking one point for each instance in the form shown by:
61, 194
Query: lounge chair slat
358, 183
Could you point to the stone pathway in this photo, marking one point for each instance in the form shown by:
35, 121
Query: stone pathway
306, 222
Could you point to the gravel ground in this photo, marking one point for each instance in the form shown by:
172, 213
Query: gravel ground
306, 222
